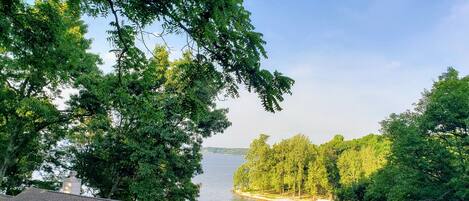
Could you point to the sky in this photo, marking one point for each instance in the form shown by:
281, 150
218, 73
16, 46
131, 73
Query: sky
353, 62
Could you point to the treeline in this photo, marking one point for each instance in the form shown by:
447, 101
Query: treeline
222, 150
422, 154
295, 166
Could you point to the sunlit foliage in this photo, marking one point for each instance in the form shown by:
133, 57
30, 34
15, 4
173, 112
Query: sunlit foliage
295, 167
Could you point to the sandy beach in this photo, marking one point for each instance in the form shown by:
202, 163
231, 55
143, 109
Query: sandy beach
268, 197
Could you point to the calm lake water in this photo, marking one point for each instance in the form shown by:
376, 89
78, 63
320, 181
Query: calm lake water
217, 179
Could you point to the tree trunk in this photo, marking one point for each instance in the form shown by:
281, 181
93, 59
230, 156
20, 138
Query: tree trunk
114, 187
3, 170
6, 159
282, 185
283, 188
299, 191
294, 188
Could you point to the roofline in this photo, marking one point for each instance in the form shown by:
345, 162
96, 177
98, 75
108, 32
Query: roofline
69, 194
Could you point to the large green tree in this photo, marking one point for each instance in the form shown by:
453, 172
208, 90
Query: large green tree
280, 166
146, 139
362, 159
42, 50
258, 161
300, 153
430, 146
318, 183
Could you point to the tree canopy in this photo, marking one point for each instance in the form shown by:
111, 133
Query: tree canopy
42, 50
430, 146
152, 148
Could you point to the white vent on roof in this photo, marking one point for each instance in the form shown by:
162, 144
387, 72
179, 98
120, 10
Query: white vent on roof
72, 184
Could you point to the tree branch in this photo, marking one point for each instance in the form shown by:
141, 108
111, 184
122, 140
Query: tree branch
11, 86
121, 38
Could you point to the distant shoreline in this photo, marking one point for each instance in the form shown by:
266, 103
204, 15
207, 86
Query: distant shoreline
222, 150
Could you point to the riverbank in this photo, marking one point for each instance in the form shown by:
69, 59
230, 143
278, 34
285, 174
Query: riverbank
273, 196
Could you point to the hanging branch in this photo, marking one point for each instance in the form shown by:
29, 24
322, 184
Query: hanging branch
161, 36
140, 30
121, 38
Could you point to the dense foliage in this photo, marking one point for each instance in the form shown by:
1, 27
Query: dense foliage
297, 167
134, 133
146, 137
422, 155
42, 50
430, 150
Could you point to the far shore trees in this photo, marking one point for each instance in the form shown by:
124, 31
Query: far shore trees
296, 167
423, 154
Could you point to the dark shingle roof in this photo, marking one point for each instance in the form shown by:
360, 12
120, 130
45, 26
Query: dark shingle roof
35, 194
4, 197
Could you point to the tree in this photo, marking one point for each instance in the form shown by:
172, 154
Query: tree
429, 145
362, 159
279, 170
42, 49
323, 173
241, 179
350, 167
299, 157
258, 161
146, 137
318, 179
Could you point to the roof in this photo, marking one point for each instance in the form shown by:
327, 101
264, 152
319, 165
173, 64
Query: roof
35, 194
4, 197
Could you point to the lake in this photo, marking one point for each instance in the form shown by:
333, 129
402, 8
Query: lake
217, 179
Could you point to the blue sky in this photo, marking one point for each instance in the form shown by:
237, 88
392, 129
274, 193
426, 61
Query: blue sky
354, 63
